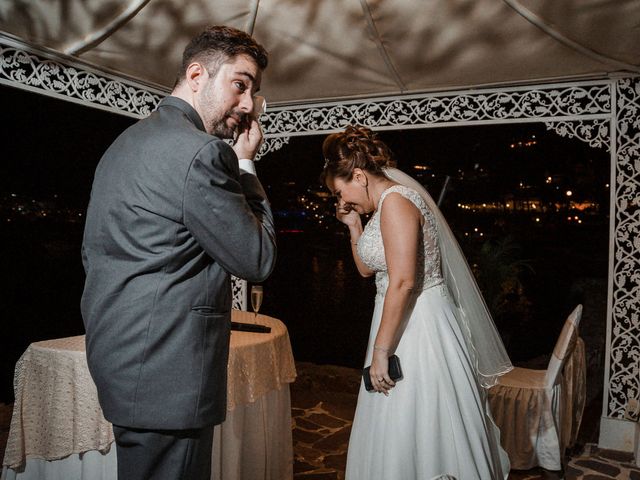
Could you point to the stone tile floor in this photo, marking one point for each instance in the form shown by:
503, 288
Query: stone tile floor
323, 400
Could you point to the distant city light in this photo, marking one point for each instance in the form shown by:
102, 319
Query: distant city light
527, 143
549, 179
537, 219
569, 193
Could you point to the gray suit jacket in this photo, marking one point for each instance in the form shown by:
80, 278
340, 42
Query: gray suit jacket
170, 218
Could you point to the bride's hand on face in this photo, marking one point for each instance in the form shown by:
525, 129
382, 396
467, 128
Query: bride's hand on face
346, 214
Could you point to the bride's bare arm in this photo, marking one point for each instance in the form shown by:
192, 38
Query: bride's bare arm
400, 224
351, 219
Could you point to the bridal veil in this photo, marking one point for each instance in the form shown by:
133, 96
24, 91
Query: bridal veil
483, 340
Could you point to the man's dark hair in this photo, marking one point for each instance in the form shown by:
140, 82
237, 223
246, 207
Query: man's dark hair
216, 45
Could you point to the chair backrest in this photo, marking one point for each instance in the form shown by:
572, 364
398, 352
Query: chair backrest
564, 346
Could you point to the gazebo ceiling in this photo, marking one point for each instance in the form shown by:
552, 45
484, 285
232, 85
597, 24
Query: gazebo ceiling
331, 49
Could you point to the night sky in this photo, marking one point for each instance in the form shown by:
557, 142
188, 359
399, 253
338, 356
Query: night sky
50, 146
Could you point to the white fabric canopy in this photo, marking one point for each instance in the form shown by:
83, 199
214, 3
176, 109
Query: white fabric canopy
330, 49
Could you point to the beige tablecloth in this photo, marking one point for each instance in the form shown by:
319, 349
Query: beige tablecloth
56, 411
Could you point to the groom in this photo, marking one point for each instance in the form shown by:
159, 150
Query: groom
173, 213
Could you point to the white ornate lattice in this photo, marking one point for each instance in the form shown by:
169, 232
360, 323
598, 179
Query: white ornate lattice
594, 132
21, 67
545, 102
271, 144
600, 113
239, 293
624, 366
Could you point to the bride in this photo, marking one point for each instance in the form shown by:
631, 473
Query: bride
434, 421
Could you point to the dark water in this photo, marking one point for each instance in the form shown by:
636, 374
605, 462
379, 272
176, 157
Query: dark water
318, 293
315, 290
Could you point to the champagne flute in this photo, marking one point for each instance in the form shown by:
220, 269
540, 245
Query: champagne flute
256, 300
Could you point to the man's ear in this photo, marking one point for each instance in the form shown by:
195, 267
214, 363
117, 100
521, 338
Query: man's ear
195, 75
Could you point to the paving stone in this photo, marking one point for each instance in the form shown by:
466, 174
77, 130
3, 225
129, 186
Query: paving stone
307, 425
308, 454
317, 476
337, 441
341, 405
571, 472
535, 474
300, 435
326, 420
599, 466
299, 466
615, 455
305, 399
339, 462
591, 476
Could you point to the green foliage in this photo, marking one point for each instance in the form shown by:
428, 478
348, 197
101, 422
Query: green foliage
498, 268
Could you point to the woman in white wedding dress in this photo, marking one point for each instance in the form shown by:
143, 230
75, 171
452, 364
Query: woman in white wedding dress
434, 421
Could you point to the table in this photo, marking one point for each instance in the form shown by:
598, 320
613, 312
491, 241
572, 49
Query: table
58, 430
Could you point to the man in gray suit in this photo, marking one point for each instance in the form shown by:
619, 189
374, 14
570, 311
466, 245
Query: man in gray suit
173, 213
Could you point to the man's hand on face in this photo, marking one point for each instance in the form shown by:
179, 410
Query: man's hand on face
249, 139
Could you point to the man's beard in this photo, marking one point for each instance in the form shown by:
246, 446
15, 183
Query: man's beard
216, 121
219, 127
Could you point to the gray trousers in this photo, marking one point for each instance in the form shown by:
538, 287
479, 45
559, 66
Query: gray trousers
164, 454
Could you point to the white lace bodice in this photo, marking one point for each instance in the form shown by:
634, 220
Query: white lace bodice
371, 247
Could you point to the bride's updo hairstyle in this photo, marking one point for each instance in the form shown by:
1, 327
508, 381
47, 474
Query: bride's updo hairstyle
356, 147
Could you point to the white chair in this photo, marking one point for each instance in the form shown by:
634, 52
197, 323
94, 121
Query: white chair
533, 410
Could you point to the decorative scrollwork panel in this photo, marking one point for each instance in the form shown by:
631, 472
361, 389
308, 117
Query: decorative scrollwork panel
239, 293
271, 145
594, 132
50, 77
539, 103
624, 368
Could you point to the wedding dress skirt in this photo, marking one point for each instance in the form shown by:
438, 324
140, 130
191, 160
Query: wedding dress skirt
435, 421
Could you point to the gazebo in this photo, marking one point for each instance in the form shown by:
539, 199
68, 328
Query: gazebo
388, 64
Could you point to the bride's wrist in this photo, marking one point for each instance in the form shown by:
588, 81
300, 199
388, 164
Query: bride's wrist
354, 232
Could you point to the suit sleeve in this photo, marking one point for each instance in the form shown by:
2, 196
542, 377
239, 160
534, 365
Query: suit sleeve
229, 214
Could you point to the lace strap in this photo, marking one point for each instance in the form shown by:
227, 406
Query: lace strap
408, 193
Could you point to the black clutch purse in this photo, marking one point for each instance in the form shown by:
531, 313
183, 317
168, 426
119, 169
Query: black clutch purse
395, 372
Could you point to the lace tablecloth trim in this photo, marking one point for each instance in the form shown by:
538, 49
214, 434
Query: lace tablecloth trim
56, 411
